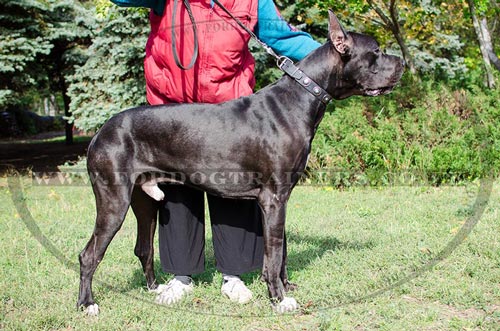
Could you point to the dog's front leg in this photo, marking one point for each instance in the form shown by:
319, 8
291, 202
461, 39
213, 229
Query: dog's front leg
284, 274
274, 211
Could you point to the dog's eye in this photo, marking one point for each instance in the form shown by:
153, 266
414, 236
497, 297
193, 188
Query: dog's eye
377, 51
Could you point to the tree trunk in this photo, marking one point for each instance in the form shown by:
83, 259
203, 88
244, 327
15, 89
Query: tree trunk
483, 36
404, 49
67, 112
495, 60
483, 23
392, 24
400, 38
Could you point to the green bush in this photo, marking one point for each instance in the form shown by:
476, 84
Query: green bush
422, 132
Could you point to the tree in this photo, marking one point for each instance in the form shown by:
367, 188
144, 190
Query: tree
424, 35
391, 21
113, 76
39, 46
22, 43
72, 27
484, 38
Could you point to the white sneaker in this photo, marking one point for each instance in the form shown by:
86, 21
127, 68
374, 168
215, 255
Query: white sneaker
173, 292
234, 288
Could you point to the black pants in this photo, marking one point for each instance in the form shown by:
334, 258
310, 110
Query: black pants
236, 232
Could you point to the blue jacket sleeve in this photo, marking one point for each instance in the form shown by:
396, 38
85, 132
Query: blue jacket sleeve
159, 6
279, 35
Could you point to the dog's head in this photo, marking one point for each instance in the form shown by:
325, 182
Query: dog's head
365, 69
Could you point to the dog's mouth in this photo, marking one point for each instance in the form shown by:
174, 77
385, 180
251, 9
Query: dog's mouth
379, 91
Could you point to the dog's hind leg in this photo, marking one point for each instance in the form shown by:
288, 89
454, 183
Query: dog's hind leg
112, 202
145, 210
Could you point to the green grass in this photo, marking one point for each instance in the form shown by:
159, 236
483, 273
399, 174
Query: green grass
343, 247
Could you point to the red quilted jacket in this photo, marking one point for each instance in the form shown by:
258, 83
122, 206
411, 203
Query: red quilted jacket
224, 69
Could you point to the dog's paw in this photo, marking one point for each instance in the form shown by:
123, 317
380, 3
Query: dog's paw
288, 304
290, 286
92, 310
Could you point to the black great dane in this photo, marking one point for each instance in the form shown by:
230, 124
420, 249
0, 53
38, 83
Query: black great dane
263, 140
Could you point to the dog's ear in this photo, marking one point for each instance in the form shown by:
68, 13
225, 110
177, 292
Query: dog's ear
338, 36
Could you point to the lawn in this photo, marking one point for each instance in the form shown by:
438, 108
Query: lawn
363, 258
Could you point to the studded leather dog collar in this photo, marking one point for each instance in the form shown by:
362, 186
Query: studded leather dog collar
287, 65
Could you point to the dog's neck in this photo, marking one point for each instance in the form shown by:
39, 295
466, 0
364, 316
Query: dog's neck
323, 66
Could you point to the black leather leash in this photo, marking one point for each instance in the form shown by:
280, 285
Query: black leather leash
195, 35
244, 27
284, 63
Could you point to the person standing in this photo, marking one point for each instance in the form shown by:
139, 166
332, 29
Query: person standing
222, 71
